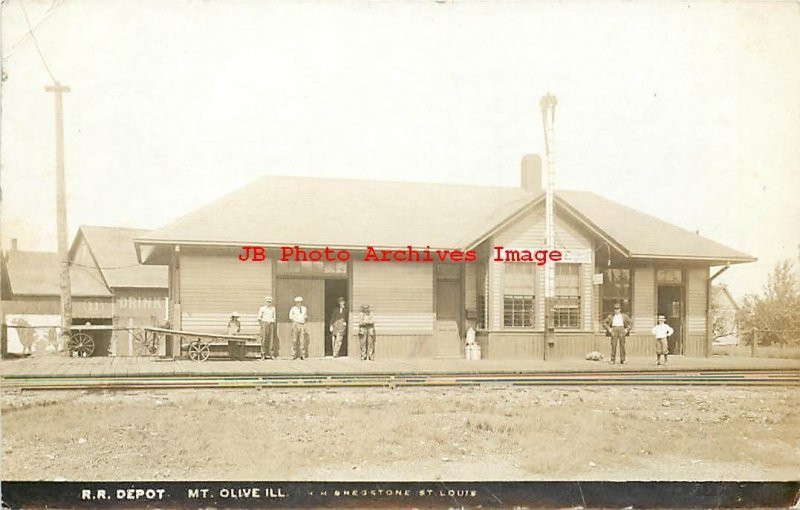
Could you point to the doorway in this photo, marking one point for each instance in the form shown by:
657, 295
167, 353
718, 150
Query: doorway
333, 290
671, 306
448, 312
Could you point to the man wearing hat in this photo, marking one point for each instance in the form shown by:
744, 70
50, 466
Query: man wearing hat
366, 333
617, 326
266, 320
298, 315
338, 326
662, 332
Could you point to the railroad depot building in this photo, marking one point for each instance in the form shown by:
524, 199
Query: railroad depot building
612, 253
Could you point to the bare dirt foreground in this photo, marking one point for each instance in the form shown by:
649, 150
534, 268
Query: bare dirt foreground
537, 433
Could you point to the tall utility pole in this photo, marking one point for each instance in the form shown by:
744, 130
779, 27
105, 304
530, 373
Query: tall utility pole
548, 106
61, 215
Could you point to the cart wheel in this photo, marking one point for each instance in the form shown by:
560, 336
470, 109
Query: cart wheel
198, 351
142, 346
81, 344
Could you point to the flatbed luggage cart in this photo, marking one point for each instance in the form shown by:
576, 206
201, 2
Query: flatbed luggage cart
197, 346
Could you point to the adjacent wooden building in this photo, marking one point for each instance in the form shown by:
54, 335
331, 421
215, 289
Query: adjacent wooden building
612, 254
109, 288
139, 292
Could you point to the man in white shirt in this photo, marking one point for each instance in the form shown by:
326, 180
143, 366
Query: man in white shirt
618, 326
266, 320
662, 332
298, 316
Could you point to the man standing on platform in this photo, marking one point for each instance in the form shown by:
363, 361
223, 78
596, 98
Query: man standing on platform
366, 333
618, 326
338, 327
298, 315
266, 320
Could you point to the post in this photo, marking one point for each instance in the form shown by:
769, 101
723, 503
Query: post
548, 107
61, 216
754, 345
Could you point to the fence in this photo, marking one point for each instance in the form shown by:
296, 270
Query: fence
763, 343
24, 339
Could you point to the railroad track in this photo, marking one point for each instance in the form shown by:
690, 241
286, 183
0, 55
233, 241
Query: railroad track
629, 378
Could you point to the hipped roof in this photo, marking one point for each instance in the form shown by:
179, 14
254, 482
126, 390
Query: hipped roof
318, 212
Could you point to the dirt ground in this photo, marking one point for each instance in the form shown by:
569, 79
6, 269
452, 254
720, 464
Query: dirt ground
502, 433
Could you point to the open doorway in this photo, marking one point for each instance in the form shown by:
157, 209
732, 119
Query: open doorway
670, 305
335, 288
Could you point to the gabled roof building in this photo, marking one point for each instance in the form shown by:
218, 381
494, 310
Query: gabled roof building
613, 253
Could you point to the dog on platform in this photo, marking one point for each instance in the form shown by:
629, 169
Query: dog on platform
594, 356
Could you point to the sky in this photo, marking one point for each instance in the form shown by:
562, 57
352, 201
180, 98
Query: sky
687, 111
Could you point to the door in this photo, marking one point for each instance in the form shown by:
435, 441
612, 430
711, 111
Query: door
334, 289
448, 315
312, 291
670, 305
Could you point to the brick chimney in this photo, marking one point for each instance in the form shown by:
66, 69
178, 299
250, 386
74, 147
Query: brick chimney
531, 175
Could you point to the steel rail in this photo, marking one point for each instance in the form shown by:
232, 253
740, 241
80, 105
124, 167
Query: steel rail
632, 378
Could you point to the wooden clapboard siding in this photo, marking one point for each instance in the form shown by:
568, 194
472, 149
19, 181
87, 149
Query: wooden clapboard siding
174, 307
567, 345
397, 346
696, 287
495, 295
313, 293
528, 233
694, 344
509, 345
644, 299
218, 323
587, 295
471, 289
398, 323
541, 274
221, 283
400, 295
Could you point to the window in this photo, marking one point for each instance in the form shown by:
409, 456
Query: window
519, 286
567, 302
517, 311
668, 276
481, 322
310, 268
616, 289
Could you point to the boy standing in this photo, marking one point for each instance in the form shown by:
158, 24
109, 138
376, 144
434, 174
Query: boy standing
662, 332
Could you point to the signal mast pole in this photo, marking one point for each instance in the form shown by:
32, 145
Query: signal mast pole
548, 106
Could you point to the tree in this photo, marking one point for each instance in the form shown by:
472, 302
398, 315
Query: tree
776, 312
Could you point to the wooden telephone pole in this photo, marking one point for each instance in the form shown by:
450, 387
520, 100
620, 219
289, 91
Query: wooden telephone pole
61, 216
